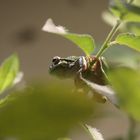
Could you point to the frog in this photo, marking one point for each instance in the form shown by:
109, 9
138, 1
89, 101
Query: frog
79, 68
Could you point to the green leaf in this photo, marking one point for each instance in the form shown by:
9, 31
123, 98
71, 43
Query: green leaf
131, 27
134, 28
8, 72
125, 11
103, 91
109, 18
43, 111
85, 42
126, 83
129, 40
94, 133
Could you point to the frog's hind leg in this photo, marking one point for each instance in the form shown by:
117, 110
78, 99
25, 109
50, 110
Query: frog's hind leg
84, 87
99, 98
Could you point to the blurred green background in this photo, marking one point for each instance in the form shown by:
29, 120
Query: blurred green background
20, 25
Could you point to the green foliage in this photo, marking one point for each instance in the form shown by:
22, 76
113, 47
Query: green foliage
126, 83
133, 28
129, 40
94, 133
44, 111
48, 111
125, 11
85, 42
8, 72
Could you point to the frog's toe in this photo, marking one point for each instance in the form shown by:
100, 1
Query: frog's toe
99, 98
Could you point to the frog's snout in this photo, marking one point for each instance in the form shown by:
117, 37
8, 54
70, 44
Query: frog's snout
56, 60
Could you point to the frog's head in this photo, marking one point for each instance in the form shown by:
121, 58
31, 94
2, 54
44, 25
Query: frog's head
64, 67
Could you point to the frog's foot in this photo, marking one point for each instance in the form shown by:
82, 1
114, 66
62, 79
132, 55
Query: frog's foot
80, 82
99, 98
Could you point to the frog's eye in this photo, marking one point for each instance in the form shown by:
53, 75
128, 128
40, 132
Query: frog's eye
56, 60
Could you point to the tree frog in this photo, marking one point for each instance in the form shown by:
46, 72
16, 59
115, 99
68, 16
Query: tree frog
79, 67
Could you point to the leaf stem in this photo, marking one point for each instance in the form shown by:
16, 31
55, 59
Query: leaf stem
131, 131
108, 39
86, 129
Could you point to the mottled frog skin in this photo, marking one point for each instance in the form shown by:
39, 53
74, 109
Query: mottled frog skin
64, 67
89, 68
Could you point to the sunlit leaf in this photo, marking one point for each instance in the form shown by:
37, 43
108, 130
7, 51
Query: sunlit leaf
109, 18
8, 72
94, 133
125, 11
84, 41
129, 40
126, 83
134, 28
104, 90
43, 112
18, 78
131, 27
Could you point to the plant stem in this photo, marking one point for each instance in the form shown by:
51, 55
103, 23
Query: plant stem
86, 129
108, 39
131, 131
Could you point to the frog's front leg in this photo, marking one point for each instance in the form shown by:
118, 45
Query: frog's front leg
81, 84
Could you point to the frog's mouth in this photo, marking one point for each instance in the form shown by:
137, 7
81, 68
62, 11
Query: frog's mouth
59, 71
52, 68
